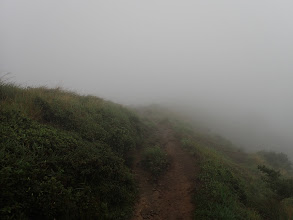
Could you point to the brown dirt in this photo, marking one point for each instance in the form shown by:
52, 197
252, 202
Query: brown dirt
170, 197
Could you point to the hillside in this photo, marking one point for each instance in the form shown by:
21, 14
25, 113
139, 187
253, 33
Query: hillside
63, 155
66, 156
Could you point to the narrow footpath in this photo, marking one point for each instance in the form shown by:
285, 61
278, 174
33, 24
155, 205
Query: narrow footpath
169, 198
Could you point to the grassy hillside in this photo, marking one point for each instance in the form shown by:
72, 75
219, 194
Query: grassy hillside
63, 155
229, 184
66, 156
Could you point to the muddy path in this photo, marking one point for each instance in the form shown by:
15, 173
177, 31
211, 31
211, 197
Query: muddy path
170, 197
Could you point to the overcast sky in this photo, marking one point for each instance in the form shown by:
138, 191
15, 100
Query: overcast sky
230, 57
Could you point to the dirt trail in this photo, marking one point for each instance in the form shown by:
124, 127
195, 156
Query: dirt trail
170, 197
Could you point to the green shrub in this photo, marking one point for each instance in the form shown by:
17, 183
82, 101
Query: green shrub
277, 160
108, 123
155, 160
50, 169
221, 194
283, 187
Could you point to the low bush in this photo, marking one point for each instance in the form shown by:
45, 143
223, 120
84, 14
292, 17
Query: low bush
62, 156
277, 160
48, 173
221, 194
155, 160
281, 186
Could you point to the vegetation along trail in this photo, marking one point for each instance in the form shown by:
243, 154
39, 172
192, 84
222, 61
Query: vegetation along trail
170, 196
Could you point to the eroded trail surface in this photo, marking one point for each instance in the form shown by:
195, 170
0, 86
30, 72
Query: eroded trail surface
170, 197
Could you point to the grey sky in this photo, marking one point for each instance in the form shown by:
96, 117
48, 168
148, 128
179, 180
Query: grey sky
233, 58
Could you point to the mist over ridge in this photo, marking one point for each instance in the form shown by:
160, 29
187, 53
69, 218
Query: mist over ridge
228, 64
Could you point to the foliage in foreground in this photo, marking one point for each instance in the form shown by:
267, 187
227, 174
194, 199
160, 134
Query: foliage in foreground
221, 194
281, 186
62, 155
226, 189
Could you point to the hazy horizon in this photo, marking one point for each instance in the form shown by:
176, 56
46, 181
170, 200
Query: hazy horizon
229, 62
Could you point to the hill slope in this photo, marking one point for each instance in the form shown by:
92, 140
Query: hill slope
66, 156
63, 155
225, 181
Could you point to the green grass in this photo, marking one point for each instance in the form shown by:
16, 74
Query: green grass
229, 190
63, 155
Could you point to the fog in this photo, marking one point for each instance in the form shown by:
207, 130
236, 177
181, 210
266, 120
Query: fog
227, 63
